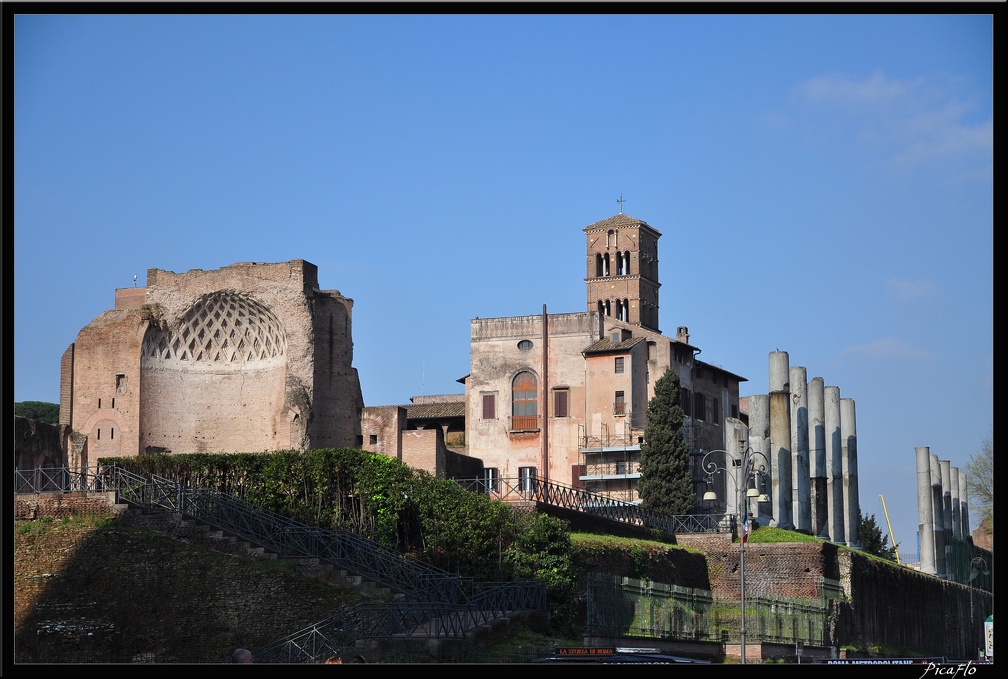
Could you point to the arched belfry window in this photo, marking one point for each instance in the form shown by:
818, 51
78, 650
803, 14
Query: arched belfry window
598, 264
605, 264
611, 239
619, 264
524, 401
626, 263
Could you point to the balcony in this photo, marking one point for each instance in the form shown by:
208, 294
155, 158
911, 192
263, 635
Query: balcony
611, 469
524, 423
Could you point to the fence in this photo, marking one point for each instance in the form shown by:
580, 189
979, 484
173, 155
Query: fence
440, 605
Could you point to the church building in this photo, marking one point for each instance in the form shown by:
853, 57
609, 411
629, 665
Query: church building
563, 397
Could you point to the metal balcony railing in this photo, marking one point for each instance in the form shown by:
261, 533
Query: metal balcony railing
524, 423
613, 468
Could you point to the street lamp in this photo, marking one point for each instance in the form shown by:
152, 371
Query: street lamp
746, 467
975, 570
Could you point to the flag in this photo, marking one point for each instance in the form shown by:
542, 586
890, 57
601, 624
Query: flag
745, 531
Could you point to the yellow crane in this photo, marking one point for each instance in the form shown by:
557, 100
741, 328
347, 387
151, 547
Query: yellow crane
888, 525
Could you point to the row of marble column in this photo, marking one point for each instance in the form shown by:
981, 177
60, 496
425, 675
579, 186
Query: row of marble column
942, 509
802, 439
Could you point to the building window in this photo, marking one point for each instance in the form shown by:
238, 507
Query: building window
715, 411
489, 407
524, 401
626, 263
699, 411
112, 433
360, 439
598, 265
623, 309
610, 239
525, 345
680, 354
734, 411
619, 364
491, 480
121, 383
373, 439
619, 404
527, 478
652, 351
621, 466
685, 400
113, 403
560, 402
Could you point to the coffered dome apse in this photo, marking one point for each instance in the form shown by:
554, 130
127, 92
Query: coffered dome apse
222, 331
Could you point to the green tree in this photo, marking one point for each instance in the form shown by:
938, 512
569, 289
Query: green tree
665, 484
38, 410
872, 540
980, 482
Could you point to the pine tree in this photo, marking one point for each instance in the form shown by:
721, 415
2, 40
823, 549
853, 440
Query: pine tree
872, 540
665, 485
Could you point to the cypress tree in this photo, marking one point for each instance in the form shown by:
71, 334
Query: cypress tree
665, 485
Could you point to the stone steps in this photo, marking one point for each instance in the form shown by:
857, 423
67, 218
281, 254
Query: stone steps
193, 529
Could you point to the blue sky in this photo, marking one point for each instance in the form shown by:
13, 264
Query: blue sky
823, 184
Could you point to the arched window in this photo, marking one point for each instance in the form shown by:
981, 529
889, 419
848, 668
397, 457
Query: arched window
619, 310
610, 239
619, 264
605, 264
626, 263
598, 265
524, 402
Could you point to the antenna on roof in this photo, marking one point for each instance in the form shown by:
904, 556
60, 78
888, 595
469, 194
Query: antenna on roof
621, 201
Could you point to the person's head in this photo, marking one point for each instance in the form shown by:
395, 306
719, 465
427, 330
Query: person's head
242, 656
334, 660
358, 659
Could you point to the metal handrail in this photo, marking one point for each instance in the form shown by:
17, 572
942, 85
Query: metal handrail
604, 506
445, 604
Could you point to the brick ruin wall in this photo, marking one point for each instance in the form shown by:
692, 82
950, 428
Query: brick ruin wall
302, 392
39, 445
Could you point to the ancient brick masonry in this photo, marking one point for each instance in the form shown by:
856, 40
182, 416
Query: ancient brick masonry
249, 357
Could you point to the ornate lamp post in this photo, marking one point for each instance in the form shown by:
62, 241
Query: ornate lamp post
751, 464
978, 565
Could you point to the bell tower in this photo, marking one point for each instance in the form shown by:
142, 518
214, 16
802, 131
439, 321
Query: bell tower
622, 267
